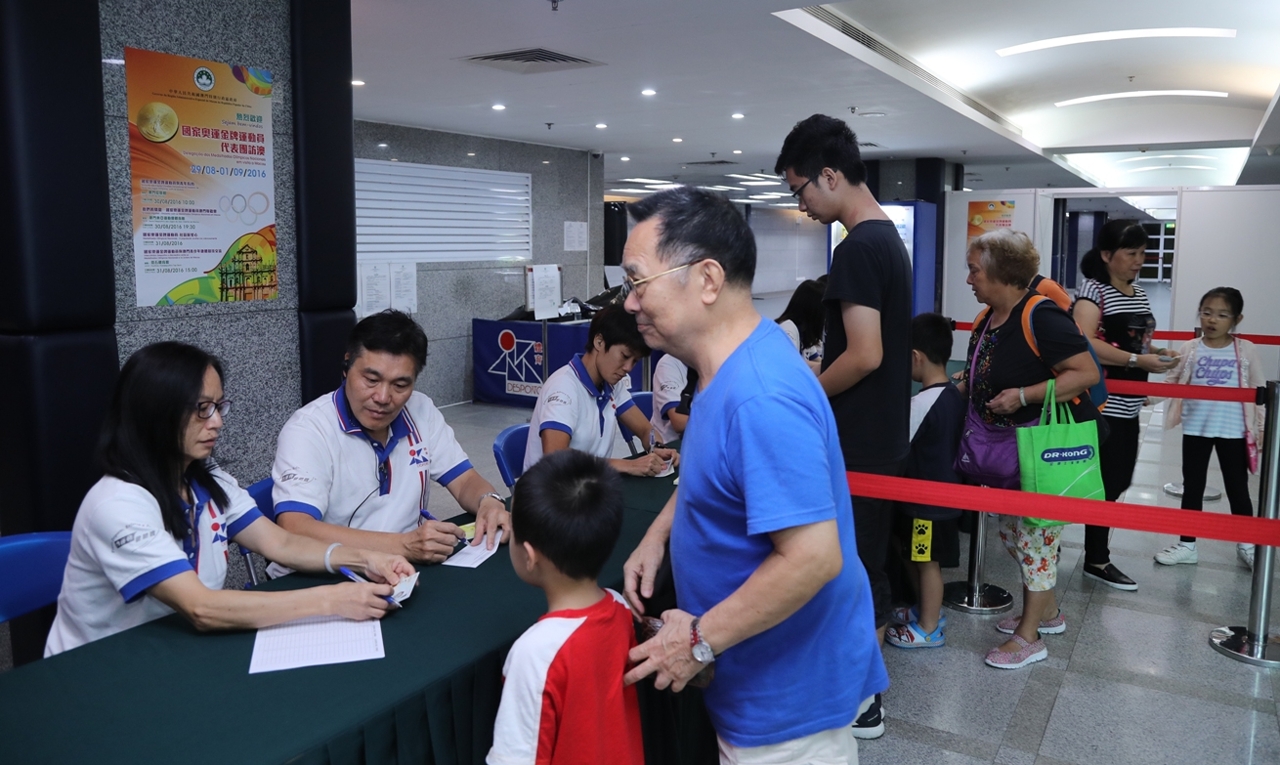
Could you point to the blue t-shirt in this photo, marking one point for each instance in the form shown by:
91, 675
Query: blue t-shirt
761, 454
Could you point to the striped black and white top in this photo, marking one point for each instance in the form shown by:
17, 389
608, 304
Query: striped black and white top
1128, 324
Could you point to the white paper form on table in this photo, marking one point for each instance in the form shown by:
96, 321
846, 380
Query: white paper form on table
315, 640
472, 556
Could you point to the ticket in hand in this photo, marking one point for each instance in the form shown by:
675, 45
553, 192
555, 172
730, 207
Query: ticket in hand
405, 588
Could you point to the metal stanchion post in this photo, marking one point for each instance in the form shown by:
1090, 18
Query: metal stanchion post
1252, 644
976, 596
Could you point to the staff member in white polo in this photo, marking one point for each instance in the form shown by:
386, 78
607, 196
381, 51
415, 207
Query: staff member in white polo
355, 466
670, 376
151, 536
582, 402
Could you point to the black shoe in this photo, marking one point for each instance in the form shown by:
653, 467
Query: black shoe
1110, 576
870, 724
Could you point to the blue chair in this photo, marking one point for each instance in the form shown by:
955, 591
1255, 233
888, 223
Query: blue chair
261, 493
31, 567
644, 402
508, 452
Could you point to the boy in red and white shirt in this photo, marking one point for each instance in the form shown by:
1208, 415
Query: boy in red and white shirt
563, 699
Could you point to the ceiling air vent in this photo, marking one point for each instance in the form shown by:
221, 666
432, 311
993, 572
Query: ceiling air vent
706, 162
532, 61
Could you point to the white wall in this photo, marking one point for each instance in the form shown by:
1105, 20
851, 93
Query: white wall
789, 249
1227, 237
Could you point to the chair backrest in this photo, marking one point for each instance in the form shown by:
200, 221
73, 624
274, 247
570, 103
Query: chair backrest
508, 452
31, 567
261, 493
644, 402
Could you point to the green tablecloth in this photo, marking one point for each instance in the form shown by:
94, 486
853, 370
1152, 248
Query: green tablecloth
163, 693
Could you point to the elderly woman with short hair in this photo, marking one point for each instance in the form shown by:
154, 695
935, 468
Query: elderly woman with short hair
1006, 385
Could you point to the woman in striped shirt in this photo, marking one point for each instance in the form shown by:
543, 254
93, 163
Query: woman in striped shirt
1113, 312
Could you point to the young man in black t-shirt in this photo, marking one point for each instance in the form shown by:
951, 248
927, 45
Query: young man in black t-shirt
866, 366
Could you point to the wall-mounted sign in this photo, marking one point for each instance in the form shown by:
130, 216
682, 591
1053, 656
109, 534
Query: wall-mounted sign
988, 216
204, 218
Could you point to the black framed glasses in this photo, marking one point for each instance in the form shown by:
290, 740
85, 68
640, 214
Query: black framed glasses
205, 409
796, 194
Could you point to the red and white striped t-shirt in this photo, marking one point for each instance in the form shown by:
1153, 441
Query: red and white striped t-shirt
563, 701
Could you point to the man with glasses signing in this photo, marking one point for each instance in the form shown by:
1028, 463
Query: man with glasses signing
355, 466
768, 585
582, 402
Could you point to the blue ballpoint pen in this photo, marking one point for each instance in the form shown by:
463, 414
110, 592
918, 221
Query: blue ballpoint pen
353, 576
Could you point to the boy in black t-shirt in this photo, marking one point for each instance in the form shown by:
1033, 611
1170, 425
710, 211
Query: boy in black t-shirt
928, 533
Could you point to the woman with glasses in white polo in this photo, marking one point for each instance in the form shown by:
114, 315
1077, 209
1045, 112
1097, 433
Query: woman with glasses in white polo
151, 536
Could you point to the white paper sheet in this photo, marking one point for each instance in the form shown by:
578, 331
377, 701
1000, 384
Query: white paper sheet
472, 556
404, 287
575, 236
543, 291
375, 288
313, 641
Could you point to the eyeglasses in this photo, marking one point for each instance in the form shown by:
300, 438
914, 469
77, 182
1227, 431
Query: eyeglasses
796, 194
1206, 313
205, 409
630, 285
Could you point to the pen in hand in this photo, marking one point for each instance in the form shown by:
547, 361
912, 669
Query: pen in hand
353, 576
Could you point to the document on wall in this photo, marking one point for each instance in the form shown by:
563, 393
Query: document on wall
375, 287
575, 236
472, 556
542, 290
315, 640
404, 287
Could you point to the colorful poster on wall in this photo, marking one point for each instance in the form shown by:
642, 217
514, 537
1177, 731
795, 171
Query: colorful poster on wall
204, 218
988, 216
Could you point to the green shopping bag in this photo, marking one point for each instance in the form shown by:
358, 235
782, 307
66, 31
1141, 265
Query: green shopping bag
1059, 456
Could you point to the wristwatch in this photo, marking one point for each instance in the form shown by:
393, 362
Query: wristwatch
701, 650
1133, 360
496, 496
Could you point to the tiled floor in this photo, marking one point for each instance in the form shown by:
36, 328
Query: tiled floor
1132, 681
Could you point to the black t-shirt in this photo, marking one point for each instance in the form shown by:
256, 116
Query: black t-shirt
933, 448
871, 268
1005, 360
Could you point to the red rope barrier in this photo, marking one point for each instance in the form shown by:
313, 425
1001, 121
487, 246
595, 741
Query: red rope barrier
967, 326
1173, 390
1123, 515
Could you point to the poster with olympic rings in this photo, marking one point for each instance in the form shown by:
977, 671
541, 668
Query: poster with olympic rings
204, 217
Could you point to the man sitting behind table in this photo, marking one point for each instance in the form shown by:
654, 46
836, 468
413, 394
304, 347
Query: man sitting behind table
582, 402
563, 700
355, 466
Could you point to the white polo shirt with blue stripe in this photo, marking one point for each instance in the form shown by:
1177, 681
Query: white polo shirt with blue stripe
571, 403
670, 375
120, 548
327, 467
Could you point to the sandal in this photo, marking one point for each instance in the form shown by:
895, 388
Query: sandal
910, 635
908, 614
1055, 626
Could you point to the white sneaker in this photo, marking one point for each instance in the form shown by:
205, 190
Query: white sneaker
1177, 553
1245, 553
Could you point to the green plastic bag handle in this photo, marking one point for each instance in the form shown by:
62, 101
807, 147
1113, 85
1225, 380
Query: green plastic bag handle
1057, 414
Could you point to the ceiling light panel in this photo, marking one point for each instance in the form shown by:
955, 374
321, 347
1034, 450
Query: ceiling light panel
1143, 94
1118, 34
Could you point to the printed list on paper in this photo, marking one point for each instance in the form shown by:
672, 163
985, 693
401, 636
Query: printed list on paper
314, 641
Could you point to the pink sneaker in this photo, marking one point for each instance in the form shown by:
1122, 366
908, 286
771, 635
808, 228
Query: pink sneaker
1055, 626
1027, 653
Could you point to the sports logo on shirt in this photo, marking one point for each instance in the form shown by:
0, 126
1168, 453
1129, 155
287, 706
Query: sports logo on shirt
418, 456
520, 364
133, 534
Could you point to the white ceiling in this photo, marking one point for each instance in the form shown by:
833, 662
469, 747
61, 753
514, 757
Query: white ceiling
711, 58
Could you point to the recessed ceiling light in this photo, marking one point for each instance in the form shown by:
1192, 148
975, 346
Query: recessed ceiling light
642, 180
737, 151
471, 154
677, 140
758, 183
1143, 94
357, 82
738, 115
1170, 167
601, 125
870, 114
1145, 158
498, 107
382, 146
625, 159
1119, 34
393, 159
546, 161
648, 92
113, 61
743, 177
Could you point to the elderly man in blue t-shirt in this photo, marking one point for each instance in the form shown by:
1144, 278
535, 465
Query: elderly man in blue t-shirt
768, 580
